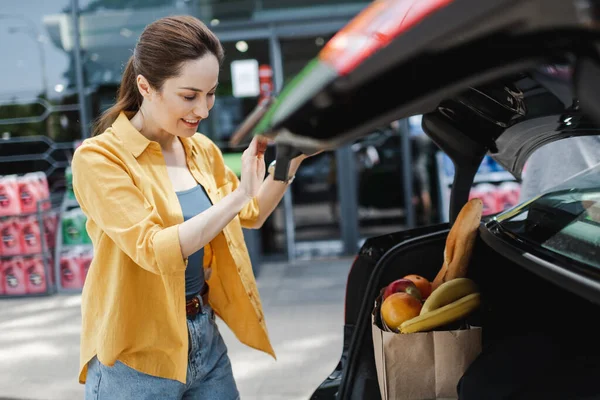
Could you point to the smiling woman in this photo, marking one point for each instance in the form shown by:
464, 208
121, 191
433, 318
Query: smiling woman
161, 42
165, 216
182, 101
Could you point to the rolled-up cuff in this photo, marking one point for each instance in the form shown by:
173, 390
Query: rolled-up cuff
167, 250
250, 213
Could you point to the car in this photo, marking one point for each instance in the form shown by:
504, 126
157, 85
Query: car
500, 78
377, 165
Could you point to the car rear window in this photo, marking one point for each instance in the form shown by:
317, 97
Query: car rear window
565, 220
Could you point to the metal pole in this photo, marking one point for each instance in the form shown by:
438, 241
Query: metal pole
407, 178
83, 110
43, 66
277, 65
348, 198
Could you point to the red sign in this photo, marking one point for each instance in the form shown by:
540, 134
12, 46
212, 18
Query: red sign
265, 80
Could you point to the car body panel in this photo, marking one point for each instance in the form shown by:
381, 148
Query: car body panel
511, 54
497, 77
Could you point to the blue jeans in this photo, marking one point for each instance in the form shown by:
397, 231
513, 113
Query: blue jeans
209, 374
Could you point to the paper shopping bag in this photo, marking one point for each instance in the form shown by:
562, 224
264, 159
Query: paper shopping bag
425, 365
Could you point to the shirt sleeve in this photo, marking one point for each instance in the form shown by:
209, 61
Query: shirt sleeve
108, 196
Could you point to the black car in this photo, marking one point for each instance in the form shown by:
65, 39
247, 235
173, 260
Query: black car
497, 77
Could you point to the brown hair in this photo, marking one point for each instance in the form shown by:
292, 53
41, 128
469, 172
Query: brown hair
162, 48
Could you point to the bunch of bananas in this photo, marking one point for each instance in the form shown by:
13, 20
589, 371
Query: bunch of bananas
451, 301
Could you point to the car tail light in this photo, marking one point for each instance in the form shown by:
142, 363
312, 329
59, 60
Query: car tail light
373, 29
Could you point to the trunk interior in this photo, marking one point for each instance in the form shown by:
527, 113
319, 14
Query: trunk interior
538, 340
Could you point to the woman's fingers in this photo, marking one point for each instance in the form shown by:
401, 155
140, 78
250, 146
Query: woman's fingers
261, 145
251, 150
258, 146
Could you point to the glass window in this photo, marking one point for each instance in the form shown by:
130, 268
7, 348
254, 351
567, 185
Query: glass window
109, 31
229, 111
38, 95
565, 220
36, 92
216, 12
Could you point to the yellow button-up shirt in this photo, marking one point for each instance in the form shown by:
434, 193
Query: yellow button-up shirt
133, 300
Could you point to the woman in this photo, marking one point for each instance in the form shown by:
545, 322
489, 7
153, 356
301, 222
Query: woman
163, 212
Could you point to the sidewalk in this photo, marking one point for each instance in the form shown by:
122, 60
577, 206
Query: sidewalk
303, 304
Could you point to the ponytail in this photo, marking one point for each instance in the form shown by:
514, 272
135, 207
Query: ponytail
129, 100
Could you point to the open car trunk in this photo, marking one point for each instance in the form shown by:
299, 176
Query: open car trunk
538, 339
497, 77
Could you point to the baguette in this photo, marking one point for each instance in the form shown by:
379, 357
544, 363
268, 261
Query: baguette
460, 243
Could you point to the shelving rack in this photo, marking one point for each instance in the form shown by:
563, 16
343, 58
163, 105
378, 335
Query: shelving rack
46, 254
68, 204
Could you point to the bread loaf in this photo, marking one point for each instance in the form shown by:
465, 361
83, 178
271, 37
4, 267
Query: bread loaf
460, 243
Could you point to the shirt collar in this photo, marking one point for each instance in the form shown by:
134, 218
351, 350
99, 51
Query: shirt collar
137, 143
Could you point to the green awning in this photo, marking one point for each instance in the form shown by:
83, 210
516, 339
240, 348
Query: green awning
234, 161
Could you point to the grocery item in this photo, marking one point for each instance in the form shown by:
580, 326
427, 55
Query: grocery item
402, 285
508, 195
40, 180
10, 237
73, 228
84, 260
429, 362
69, 183
50, 226
35, 275
449, 292
70, 272
12, 273
398, 308
423, 354
439, 317
460, 243
30, 235
9, 196
421, 283
74, 266
29, 194
86, 238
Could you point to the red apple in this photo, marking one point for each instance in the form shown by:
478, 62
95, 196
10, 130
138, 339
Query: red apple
402, 285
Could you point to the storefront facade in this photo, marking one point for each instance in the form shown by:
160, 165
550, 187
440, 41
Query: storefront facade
63, 61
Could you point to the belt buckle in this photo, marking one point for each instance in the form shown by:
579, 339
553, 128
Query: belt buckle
195, 309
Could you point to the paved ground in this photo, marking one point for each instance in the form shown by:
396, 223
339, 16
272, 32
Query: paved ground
303, 303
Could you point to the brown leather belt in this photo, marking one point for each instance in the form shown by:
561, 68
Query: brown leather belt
193, 306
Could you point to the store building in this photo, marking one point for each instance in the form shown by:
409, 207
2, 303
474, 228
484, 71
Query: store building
62, 64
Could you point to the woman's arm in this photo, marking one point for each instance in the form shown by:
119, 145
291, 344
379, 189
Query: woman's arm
198, 231
271, 192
